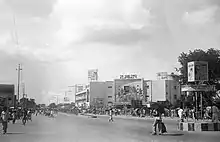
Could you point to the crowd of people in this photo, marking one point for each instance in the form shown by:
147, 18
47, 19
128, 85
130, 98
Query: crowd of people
13, 114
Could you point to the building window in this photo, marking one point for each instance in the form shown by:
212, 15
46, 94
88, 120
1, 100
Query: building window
109, 97
174, 87
109, 86
166, 93
175, 97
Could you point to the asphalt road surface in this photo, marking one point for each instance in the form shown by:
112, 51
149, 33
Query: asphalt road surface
71, 128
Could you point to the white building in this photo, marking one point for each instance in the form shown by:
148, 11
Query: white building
95, 94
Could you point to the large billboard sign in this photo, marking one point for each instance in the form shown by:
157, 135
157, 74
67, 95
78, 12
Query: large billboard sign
162, 75
197, 71
93, 75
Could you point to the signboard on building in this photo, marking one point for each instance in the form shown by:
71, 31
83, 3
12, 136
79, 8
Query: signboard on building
93, 75
197, 71
129, 76
162, 75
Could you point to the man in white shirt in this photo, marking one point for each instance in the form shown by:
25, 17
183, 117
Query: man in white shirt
180, 114
111, 115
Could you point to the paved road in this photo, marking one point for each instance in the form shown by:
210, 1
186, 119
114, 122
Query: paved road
70, 128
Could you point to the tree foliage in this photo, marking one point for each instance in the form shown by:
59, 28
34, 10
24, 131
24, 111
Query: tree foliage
212, 56
52, 105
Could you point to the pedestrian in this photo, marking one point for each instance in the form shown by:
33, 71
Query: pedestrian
4, 118
157, 122
215, 113
14, 116
110, 115
180, 114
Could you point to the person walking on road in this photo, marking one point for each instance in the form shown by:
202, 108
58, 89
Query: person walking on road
4, 118
157, 122
110, 115
180, 114
215, 113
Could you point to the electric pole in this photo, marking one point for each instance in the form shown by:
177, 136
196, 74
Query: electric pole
24, 100
19, 73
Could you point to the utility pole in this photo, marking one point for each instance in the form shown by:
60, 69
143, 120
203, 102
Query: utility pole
24, 100
19, 73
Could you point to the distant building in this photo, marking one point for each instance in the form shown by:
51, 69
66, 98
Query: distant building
126, 90
164, 90
7, 96
97, 94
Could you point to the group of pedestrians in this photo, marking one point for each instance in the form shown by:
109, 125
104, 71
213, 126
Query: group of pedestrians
8, 115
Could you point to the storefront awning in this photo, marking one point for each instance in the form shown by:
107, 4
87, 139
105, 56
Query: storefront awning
198, 88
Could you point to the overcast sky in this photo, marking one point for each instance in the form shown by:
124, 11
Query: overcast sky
61, 39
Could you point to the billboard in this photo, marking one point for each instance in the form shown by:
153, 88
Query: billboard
93, 75
197, 71
191, 71
162, 75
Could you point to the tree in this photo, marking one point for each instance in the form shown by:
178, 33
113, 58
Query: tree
52, 105
212, 56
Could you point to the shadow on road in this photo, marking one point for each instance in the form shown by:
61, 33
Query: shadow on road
172, 134
15, 133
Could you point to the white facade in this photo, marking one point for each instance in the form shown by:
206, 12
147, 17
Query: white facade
96, 94
163, 90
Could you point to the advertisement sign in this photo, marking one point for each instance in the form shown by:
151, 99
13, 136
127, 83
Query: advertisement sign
197, 71
129, 76
201, 71
162, 75
191, 71
93, 75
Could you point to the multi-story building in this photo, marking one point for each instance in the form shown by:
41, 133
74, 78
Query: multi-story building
163, 90
95, 94
166, 88
7, 96
125, 90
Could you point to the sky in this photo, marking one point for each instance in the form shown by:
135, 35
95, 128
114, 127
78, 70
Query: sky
60, 40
